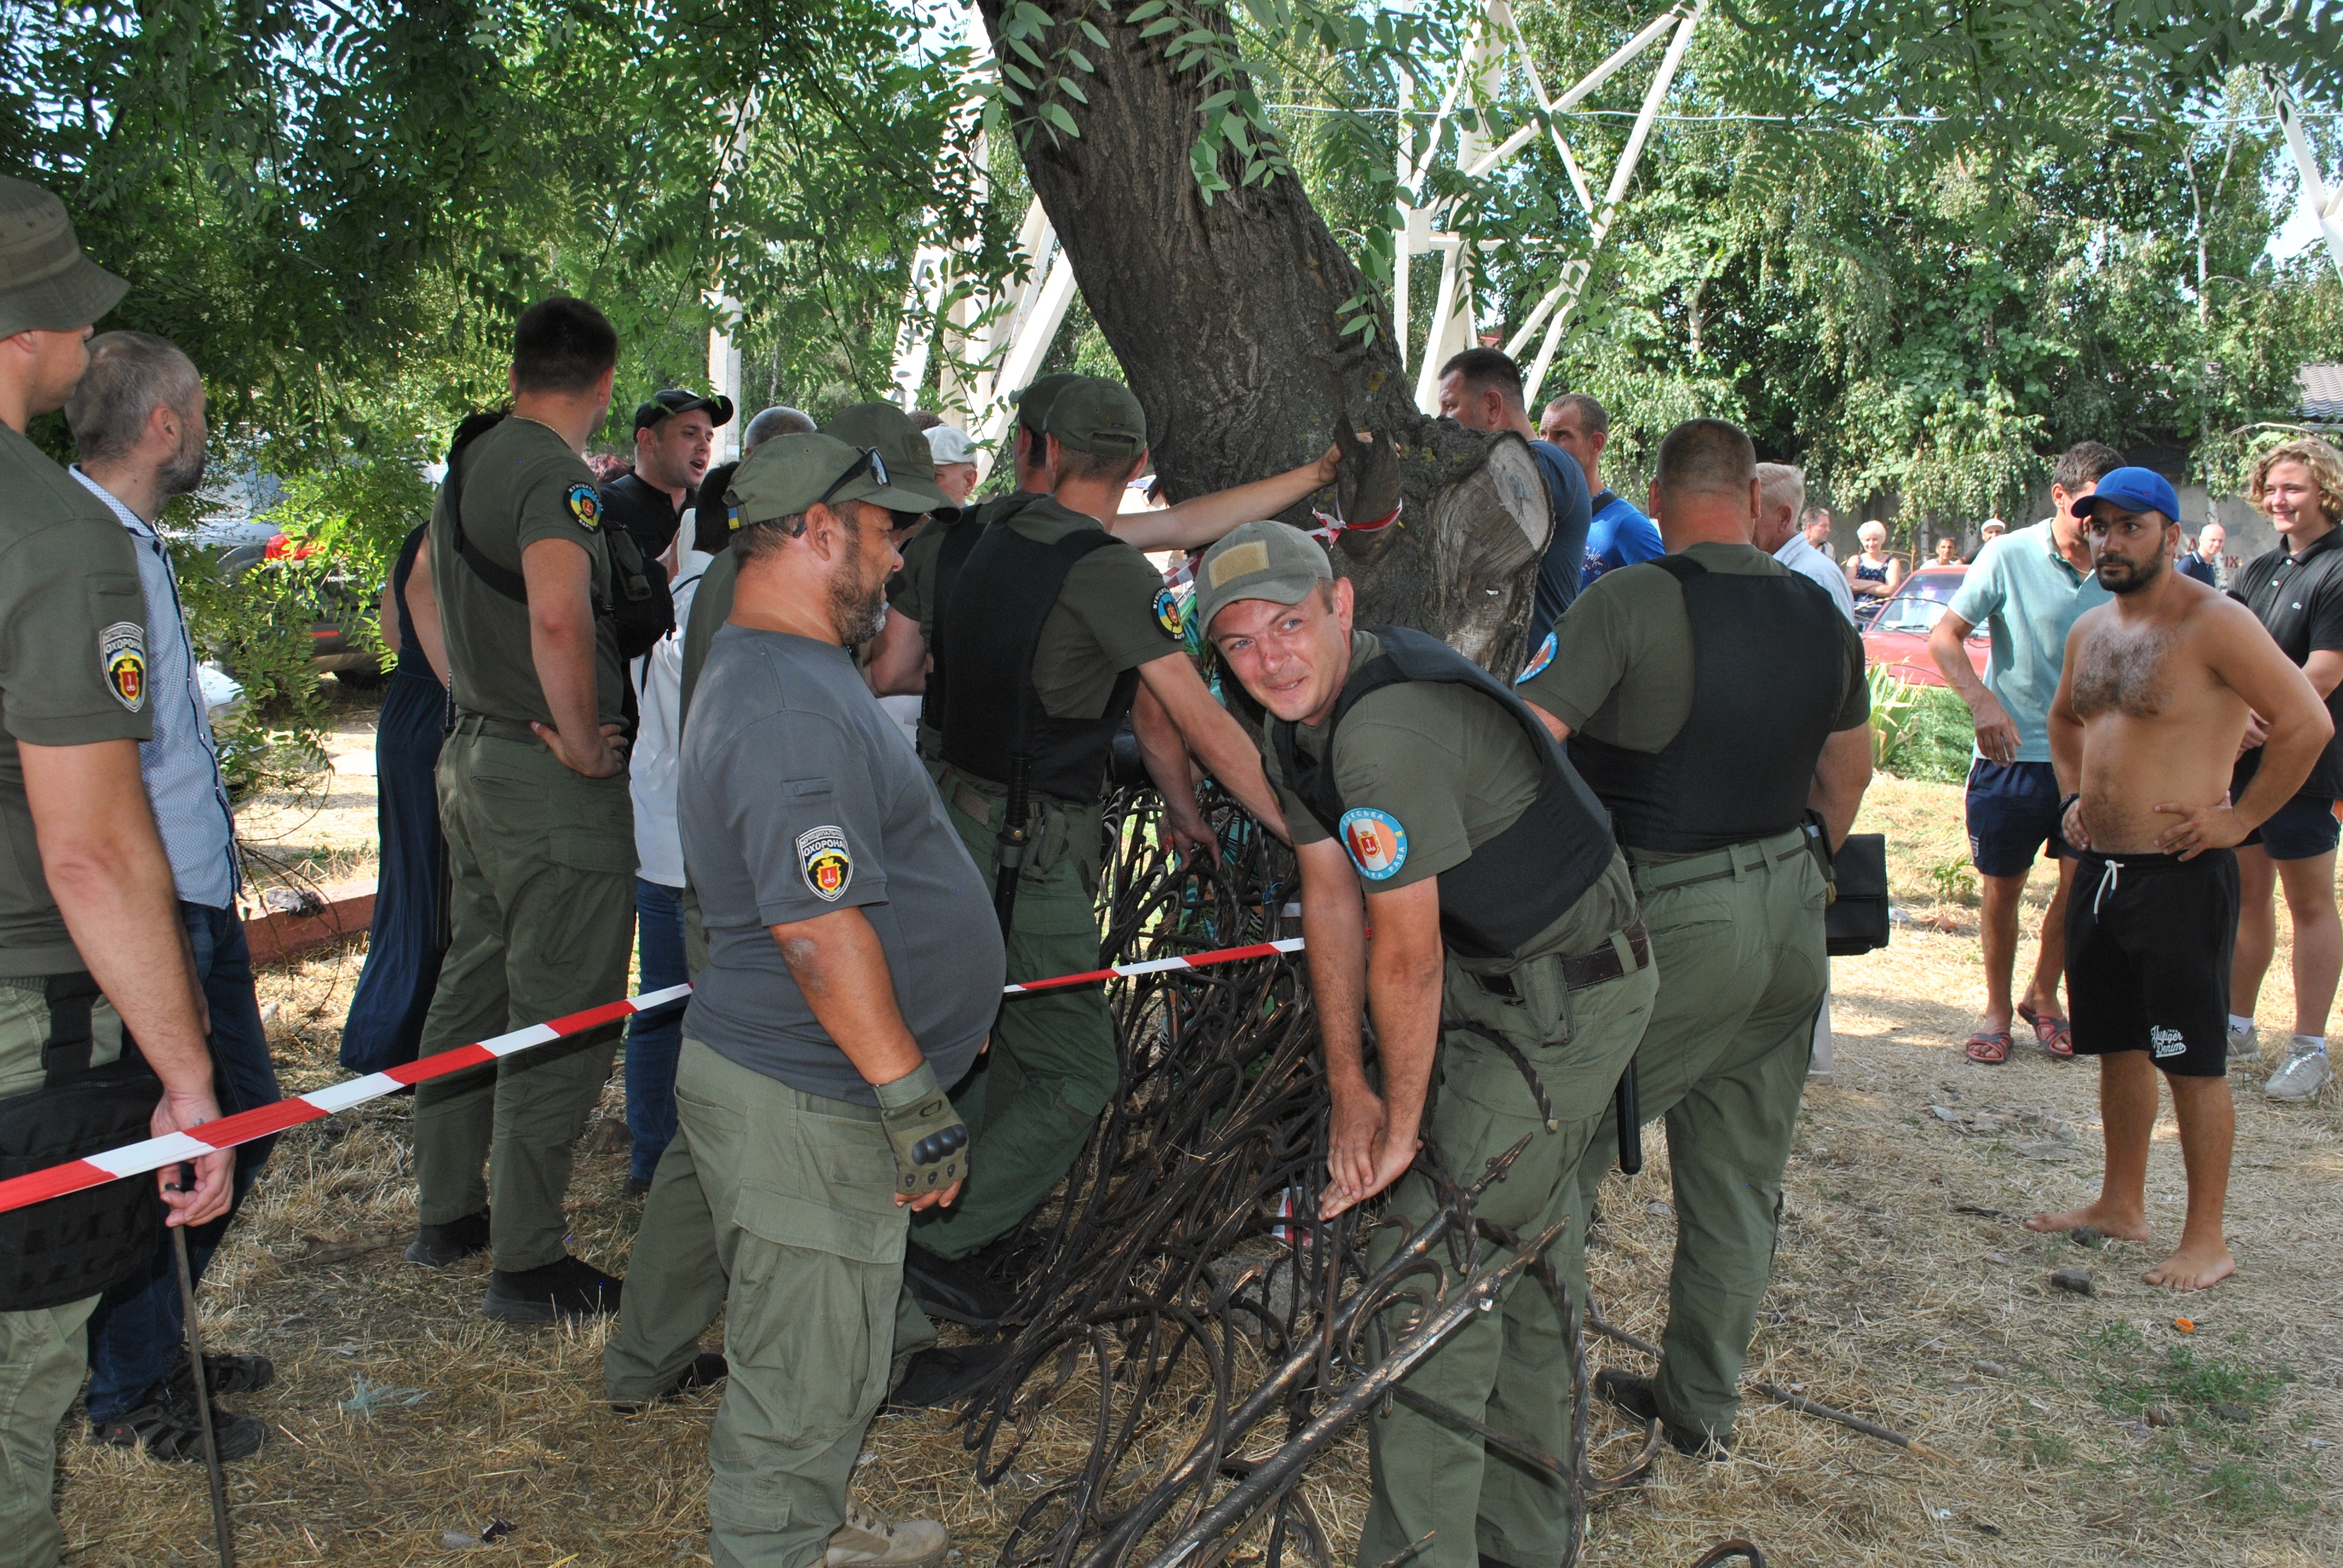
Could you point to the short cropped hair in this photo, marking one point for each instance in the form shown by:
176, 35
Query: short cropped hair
1873, 530
2324, 463
1592, 417
130, 375
778, 420
562, 345
1110, 468
2084, 463
1484, 368
925, 419
1706, 457
1781, 482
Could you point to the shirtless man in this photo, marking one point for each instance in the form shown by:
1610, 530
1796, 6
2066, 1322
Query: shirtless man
2154, 699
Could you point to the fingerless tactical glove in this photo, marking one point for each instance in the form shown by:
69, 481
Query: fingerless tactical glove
930, 1141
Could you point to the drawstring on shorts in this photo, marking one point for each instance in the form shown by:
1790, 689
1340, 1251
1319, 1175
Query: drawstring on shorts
2109, 880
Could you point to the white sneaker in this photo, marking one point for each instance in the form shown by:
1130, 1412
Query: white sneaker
868, 1541
2245, 1047
2305, 1072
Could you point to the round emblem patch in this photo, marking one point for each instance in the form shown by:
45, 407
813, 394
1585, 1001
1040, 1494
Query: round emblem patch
586, 506
122, 660
823, 860
1538, 661
1167, 611
1377, 843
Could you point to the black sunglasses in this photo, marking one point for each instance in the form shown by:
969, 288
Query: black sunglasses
869, 459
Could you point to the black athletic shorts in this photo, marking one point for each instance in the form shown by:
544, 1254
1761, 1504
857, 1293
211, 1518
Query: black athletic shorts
2148, 942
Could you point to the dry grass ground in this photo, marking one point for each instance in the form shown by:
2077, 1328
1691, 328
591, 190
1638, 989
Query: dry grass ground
2058, 1428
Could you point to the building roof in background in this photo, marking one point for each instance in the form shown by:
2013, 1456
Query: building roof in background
2322, 393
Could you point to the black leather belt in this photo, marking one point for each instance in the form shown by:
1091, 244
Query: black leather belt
1592, 968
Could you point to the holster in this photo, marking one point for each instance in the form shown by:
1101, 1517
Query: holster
76, 1246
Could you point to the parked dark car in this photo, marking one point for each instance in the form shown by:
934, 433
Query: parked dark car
338, 642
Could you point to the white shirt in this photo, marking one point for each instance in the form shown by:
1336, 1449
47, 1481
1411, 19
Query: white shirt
1801, 557
651, 772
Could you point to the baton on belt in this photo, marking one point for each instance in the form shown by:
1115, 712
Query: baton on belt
1010, 857
1630, 1123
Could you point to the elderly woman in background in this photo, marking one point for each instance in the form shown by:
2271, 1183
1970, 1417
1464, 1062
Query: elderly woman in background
1873, 573
2297, 589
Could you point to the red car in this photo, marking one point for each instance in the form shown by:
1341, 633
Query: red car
1897, 636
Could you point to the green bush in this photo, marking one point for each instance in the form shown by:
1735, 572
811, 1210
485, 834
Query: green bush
1922, 732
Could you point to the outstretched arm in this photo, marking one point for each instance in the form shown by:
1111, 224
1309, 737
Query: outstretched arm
1206, 729
1205, 520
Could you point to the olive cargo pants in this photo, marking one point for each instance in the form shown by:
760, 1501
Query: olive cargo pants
1051, 1070
44, 1354
794, 1195
1737, 936
541, 866
1509, 1367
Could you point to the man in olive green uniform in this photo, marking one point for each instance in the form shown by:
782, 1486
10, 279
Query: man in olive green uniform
1710, 698
851, 973
92, 953
1048, 630
540, 828
1501, 907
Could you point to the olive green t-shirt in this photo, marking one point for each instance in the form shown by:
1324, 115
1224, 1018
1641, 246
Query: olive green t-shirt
1619, 664
521, 483
1442, 769
1106, 620
73, 670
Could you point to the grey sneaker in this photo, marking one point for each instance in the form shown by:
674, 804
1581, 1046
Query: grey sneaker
868, 1541
2305, 1072
2244, 1048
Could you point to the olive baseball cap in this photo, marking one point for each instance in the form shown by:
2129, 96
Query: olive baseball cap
1270, 560
911, 461
787, 474
1098, 415
1033, 401
46, 283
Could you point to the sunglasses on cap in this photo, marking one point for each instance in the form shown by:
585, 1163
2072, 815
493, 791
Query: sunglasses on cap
868, 461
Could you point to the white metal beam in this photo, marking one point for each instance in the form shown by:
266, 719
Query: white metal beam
2325, 202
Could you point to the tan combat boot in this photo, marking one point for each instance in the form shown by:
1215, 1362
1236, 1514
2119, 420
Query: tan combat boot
868, 1541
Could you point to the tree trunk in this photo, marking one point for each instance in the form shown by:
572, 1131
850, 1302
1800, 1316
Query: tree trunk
1224, 317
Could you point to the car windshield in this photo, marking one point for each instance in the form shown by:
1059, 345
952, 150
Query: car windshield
1919, 603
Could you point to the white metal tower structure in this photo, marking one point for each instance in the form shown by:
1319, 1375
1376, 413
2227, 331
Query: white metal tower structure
1006, 339
2325, 201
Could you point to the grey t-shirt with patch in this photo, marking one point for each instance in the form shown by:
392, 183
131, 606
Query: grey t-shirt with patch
800, 797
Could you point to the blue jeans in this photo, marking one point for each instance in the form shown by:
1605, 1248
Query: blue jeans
139, 1329
653, 1038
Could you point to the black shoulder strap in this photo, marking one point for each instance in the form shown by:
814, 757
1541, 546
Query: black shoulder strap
501, 578
1602, 500
66, 1052
1683, 569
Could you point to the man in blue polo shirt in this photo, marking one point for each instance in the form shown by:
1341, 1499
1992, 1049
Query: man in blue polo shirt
2027, 587
1619, 535
1481, 390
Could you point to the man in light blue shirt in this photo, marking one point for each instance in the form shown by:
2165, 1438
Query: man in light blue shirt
1780, 494
1619, 534
2026, 587
137, 419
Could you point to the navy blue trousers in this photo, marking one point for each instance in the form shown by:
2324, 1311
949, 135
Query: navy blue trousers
139, 1327
402, 963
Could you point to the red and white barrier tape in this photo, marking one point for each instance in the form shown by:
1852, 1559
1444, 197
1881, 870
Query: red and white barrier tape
244, 1126
1329, 526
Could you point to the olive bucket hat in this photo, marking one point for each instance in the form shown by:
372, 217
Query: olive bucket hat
46, 283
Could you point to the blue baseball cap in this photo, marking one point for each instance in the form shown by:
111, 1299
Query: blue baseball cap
2135, 490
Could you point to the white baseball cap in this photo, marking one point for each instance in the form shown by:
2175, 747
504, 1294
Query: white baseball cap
949, 445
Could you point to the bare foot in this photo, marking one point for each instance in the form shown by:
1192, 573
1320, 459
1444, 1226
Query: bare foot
2107, 1219
2193, 1268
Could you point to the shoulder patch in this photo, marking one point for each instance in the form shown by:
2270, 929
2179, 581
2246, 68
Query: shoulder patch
1539, 660
823, 860
586, 508
1377, 843
1167, 612
122, 662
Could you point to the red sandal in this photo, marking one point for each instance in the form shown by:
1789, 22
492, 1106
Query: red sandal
2056, 1034
1990, 1047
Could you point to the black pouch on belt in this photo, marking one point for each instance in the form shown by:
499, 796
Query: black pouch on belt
67, 1248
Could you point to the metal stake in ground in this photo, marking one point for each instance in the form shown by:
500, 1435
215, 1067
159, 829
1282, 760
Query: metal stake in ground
225, 1547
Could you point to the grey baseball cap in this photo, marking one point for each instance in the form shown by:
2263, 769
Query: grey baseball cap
1270, 559
46, 283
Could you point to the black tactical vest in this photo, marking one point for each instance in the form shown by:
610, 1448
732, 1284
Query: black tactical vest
1005, 589
959, 537
1769, 661
1516, 884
